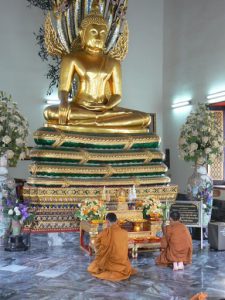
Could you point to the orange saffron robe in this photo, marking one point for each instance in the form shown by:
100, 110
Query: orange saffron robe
176, 245
112, 262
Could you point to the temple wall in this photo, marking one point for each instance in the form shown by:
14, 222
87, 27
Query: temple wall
194, 65
22, 71
142, 69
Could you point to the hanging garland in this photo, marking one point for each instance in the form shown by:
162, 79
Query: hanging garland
53, 62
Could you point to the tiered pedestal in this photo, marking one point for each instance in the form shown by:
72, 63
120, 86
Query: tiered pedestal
70, 167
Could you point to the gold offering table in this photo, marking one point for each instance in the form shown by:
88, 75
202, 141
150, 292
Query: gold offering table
141, 233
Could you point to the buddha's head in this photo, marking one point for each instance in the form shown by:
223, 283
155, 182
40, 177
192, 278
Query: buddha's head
93, 30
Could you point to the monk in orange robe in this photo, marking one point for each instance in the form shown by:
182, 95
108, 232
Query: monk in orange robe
111, 262
176, 244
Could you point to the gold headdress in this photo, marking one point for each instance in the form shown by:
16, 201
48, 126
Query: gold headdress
69, 16
94, 17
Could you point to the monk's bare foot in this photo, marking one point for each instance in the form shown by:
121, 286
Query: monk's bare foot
180, 265
175, 266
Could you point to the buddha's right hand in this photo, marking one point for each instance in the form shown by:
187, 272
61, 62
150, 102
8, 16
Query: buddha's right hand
63, 112
63, 107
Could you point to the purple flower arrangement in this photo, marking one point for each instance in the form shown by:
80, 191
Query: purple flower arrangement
205, 194
18, 211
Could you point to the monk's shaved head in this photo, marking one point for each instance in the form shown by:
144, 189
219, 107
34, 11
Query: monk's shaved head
111, 217
175, 215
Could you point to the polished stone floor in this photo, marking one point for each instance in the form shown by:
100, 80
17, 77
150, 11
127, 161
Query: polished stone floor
59, 273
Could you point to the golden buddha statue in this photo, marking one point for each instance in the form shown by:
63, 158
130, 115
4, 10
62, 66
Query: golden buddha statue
95, 105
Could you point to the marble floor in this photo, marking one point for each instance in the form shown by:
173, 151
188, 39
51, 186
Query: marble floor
59, 273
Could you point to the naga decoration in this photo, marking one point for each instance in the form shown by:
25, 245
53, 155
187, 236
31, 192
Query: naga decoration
60, 34
62, 26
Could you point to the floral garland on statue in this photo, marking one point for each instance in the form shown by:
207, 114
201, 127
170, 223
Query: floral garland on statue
13, 130
91, 209
201, 139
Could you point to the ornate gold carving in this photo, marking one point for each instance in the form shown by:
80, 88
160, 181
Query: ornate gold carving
101, 182
109, 171
97, 139
128, 214
150, 156
87, 156
60, 139
74, 192
129, 143
33, 169
105, 170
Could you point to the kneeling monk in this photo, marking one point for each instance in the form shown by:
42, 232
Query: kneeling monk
176, 244
111, 262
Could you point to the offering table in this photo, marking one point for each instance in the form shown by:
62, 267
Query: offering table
142, 234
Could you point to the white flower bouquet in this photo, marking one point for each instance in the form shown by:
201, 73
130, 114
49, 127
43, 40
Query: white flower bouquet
201, 139
152, 208
13, 130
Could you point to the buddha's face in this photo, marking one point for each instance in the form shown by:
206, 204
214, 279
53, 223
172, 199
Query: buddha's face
94, 36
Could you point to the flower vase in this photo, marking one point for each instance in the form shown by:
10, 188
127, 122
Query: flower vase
200, 188
206, 218
4, 220
16, 227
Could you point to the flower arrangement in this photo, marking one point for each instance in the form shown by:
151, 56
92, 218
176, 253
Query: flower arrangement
13, 130
18, 212
201, 139
152, 209
91, 209
204, 194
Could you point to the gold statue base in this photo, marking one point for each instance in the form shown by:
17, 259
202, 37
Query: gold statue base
69, 167
54, 207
